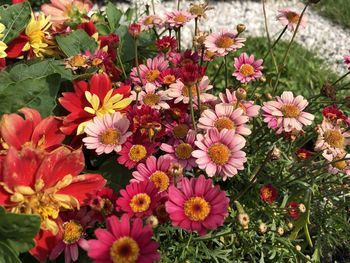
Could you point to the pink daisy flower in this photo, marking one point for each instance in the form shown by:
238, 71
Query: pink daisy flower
154, 170
107, 133
150, 96
223, 42
247, 69
225, 116
220, 153
151, 72
133, 153
181, 150
290, 18
74, 225
248, 107
286, 114
180, 92
124, 240
178, 18
341, 166
138, 199
198, 205
151, 21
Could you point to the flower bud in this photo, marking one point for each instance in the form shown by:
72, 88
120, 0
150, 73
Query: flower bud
298, 248
329, 91
280, 231
276, 153
241, 28
290, 225
138, 89
241, 94
302, 208
263, 79
176, 170
244, 220
268, 96
153, 221
262, 228
134, 30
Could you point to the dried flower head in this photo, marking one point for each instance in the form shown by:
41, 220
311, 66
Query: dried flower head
198, 10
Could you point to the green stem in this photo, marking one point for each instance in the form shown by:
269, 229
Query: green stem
198, 99
153, 8
121, 64
178, 4
210, 236
276, 41
217, 72
179, 39
137, 62
225, 62
341, 78
191, 107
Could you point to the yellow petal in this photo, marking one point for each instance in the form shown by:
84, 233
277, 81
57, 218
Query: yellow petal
89, 110
122, 104
81, 127
25, 190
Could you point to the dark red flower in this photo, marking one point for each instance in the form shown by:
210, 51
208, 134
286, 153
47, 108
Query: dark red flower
268, 193
191, 73
15, 47
333, 113
303, 154
293, 210
134, 30
88, 27
166, 44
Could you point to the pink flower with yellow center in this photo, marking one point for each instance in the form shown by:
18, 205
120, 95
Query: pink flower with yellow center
340, 163
151, 21
107, 133
150, 72
225, 116
223, 42
176, 18
290, 18
139, 199
181, 150
154, 170
150, 96
124, 241
219, 153
286, 113
249, 108
198, 205
247, 68
180, 92
133, 153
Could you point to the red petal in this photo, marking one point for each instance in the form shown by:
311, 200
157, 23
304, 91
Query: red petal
14, 49
100, 84
49, 130
45, 242
88, 27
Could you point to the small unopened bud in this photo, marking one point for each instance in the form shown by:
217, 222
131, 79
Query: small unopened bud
244, 220
268, 96
138, 89
329, 91
153, 221
216, 66
134, 30
298, 248
263, 79
302, 208
290, 225
241, 28
276, 153
262, 228
280, 231
241, 94
176, 170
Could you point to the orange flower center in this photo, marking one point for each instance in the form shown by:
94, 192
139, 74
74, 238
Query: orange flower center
149, 20
293, 17
169, 79
334, 138
197, 208
180, 131
224, 123
219, 153
209, 54
125, 250
96, 61
302, 156
183, 151
186, 91
152, 75
77, 61
225, 42
72, 232
137, 152
267, 193
160, 179
110, 136
180, 18
341, 165
140, 203
247, 70
151, 99
290, 111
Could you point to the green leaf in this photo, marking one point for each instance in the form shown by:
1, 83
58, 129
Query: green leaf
113, 16
16, 234
76, 42
15, 18
127, 45
33, 86
102, 29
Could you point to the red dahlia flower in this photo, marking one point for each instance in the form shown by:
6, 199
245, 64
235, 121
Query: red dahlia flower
268, 193
17, 131
303, 154
88, 101
293, 210
166, 44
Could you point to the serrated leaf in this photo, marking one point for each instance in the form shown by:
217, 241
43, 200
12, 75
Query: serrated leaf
127, 44
15, 18
76, 43
102, 29
7, 254
113, 16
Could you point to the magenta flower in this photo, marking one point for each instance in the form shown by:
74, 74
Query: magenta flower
290, 18
225, 116
107, 133
223, 42
247, 69
123, 241
198, 205
285, 114
220, 153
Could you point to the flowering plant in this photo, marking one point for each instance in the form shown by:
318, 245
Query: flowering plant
118, 144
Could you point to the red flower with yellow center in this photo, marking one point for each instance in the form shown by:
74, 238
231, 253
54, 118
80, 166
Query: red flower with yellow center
268, 193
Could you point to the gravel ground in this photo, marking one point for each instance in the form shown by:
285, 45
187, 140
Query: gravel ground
328, 40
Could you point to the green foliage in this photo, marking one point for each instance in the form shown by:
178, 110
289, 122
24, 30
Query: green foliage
337, 11
15, 18
16, 234
76, 43
34, 85
113, 16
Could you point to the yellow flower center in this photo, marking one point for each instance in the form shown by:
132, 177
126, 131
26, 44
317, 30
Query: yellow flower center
196, 208
224, 123
125, 250
160, 179
43, 202
140, 203
151, 99
197, 10
180, 18
219, 153
334, 138
293, 17
266, 193
183, 151
96, 61
72, 232
169, 79
77, 61
186, 91
137, 152
225, 42
108, 207
290, 111
152, 75
247, 70
110, 136
341, 165
149, 20
180, 131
